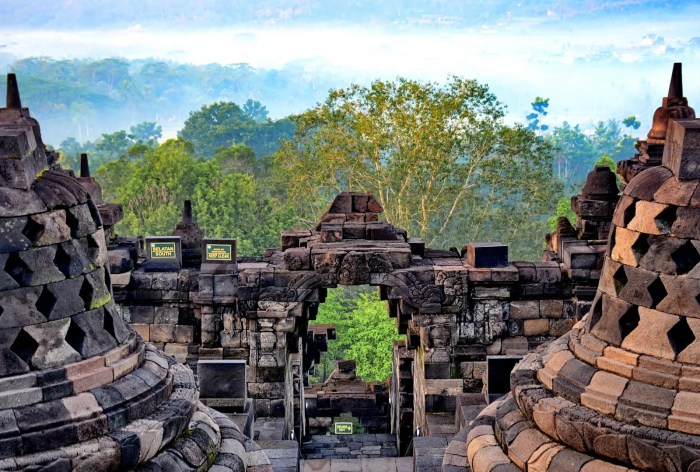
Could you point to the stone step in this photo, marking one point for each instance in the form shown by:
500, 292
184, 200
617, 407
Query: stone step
349, 446
268, 428
469, 405
380, 464
283, 454
428, 453
441, 424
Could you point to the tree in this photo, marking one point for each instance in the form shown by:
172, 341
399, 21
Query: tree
574, 155
156, 187
218, 125
224, 124
255, 111
563, 210
610, 139
232, 206
364, 332
631, 122
153, 182
439, 158
576, 151
70, 150
539, 107
146, 132
112, 145
236, 159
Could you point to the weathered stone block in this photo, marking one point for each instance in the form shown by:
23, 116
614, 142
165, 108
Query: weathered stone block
682, 149
222, 378
487, 255
162, 333
535, 327
184, 334
297, 258
165, 315
524, 309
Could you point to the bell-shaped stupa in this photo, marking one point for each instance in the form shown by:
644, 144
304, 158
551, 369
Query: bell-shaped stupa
79, 390
621, 391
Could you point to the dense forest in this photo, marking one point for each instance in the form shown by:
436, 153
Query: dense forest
250, 175
440, 157
85, 98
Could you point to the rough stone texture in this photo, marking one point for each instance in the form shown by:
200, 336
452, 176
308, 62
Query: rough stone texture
616, 393
78, 389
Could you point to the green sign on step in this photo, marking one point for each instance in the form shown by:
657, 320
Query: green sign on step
219, 252
343, 428
163, 250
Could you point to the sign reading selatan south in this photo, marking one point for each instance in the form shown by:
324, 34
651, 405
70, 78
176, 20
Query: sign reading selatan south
163, 253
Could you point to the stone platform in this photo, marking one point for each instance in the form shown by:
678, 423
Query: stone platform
382, 464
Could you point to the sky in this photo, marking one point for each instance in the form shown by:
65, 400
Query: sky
592, 59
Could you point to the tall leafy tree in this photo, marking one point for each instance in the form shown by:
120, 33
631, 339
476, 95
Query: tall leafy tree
218, 125
146, 132
576, 151
438, 157
112, 145
237, 159
224, 124
364, 332
153, 182
255, 110
539, 110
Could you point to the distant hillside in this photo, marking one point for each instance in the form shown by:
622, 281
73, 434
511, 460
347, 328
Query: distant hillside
85, 98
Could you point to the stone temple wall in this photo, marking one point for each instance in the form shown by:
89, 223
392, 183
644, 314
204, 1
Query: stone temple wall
455, 309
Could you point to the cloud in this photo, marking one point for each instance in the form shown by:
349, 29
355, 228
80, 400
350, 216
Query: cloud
594, 67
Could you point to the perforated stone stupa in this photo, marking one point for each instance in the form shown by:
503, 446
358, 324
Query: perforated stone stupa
620, 391
79, 390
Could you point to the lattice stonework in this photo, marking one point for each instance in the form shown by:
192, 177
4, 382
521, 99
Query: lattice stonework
79, 390
620, 391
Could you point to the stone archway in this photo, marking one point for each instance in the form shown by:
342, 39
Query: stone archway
349, 246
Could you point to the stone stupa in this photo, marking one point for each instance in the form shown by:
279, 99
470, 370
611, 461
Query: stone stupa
79, 390
621, 391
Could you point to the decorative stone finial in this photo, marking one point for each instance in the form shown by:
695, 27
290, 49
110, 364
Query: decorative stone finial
191, 237
84, 165
22, 152
675, 105
675, 88
13, 100
187, 213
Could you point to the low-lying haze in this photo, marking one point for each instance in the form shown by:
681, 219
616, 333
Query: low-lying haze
595, 60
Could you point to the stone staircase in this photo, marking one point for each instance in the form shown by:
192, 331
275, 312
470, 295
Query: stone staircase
378, 464
351, 446
283, 453
444, 450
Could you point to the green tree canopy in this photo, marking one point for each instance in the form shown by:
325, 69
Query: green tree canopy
153, 182
225, 124
255, 110
576, 151
214, 126
539, 110
438, 157
146, 132
364, 332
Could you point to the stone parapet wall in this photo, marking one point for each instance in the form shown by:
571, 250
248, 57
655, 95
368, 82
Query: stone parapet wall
454, 309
